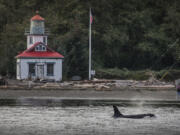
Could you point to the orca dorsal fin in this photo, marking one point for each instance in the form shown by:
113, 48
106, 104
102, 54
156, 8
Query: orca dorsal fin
116, 112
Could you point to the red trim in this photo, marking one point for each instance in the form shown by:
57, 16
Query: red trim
33, 46
31, 53
39, 55
37, 17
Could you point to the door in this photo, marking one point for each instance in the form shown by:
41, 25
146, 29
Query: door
40, 71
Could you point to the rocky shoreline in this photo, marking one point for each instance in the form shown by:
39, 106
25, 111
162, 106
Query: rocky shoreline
96, 89
97, 84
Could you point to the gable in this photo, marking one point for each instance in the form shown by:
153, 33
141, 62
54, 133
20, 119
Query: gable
39, 50
40, 47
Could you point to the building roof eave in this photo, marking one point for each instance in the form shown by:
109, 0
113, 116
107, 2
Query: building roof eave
39, 57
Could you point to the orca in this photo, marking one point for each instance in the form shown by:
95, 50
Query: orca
117, 114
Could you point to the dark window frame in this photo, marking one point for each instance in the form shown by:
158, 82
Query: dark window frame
44, 40
32, 69
50, 69
40, 48
30, 40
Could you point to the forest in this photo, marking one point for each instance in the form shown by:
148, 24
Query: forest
129, 35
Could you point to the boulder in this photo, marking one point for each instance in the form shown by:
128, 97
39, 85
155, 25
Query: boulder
76, 78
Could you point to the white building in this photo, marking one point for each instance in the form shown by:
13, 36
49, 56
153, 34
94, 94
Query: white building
38, 61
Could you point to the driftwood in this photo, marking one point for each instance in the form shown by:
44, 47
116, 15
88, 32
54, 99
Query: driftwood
90, 85
98, 81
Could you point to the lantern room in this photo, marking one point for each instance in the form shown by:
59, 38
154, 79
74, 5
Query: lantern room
37, 25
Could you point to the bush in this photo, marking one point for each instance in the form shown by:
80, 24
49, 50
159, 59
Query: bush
115, 73
124, 73
168, 75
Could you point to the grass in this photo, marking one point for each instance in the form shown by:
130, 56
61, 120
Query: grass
125, 74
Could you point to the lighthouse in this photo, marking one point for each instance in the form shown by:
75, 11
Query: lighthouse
38, 61
37, 32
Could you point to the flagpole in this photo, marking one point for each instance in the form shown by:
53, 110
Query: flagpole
90, 44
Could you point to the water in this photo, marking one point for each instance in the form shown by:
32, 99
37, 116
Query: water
87, 120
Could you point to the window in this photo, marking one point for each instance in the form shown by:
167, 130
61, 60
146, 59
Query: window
44, 40
50, 69
40, 48
37, 48
44, 48
37, 23
31, 69
30, 40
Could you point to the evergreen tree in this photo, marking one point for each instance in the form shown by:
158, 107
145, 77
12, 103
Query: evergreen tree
133, 34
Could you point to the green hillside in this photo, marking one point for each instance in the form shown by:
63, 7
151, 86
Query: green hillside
131, 34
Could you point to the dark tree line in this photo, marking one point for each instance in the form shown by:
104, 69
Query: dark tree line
132, 34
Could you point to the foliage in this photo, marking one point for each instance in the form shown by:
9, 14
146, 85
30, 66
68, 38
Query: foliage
125, 74
131, 34
122, 74
168, 75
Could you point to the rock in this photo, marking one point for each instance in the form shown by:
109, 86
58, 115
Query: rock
76, 78
177, 82
95, 79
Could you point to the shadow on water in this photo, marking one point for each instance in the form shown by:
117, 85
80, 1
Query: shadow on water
85, 102
8, 102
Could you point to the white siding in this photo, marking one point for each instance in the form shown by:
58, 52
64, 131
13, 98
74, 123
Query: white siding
35, 39
24, 63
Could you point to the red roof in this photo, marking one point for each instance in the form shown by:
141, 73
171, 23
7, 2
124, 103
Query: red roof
37, 17
31, 53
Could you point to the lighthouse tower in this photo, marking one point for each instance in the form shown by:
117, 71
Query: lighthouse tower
37, 32
38, 61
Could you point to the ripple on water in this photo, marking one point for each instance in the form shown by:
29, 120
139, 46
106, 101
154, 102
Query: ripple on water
87, 120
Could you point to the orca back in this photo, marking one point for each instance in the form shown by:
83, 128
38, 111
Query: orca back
116, 112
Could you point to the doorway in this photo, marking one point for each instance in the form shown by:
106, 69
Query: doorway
40, 71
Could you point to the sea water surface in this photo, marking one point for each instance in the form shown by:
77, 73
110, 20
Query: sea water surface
87, 120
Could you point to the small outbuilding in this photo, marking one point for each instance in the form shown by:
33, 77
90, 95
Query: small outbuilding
38, 61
